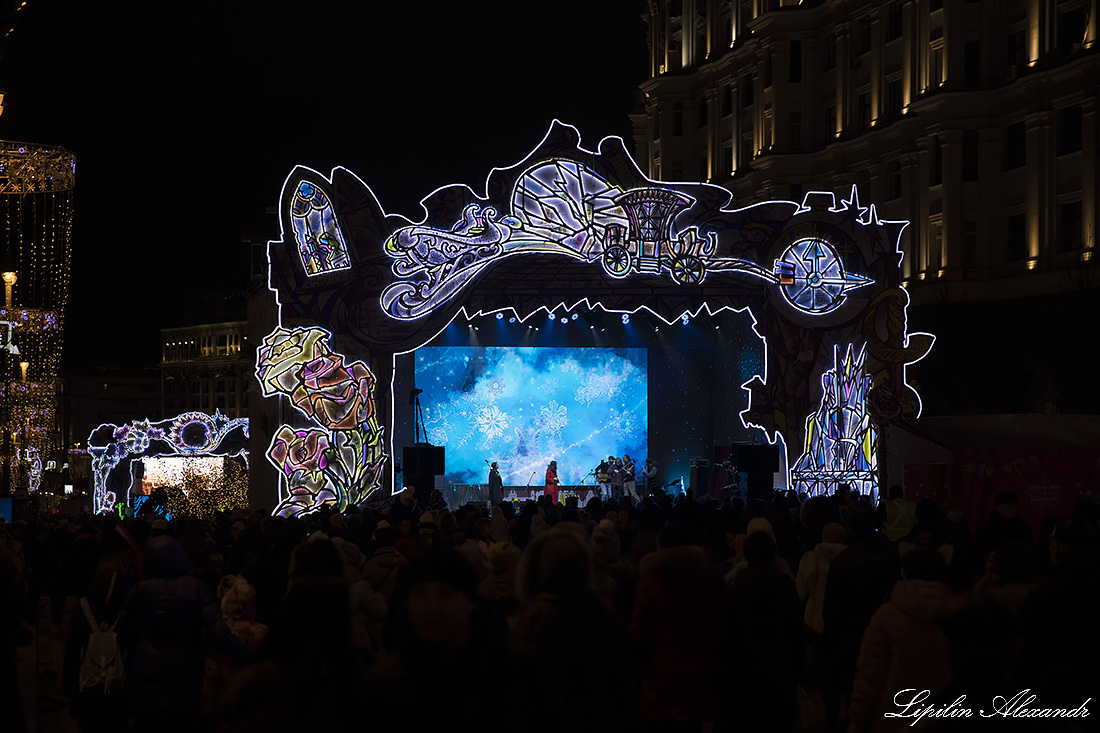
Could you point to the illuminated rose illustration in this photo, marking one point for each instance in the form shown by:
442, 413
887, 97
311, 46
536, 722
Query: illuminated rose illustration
340, 462
284, 352
300, 450
337, 396
308, 493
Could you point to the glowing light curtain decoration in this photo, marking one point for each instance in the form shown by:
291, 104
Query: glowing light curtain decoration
340, 462
36, 213
568, 228
841, 440
191, 434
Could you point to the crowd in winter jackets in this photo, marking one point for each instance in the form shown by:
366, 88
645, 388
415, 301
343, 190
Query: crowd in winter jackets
788, 613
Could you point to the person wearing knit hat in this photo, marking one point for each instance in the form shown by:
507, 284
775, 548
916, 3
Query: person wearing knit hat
538, 525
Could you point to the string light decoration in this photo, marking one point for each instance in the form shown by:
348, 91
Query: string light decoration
192, 435
36, 207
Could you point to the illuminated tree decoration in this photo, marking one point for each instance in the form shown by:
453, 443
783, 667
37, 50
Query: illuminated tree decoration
320, 242
840, 438
113, 448
340, 462
36, 200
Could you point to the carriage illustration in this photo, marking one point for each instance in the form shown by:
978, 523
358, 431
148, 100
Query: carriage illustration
648, 246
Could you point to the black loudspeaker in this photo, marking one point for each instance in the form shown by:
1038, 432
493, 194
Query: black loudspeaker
758, 484
423, 460
700, 479
757, 458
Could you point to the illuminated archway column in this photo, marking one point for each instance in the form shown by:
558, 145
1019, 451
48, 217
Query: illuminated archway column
1089, 190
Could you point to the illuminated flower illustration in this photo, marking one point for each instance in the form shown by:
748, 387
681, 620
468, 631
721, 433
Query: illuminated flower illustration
284, 353
300, 450
334, 396
340, 462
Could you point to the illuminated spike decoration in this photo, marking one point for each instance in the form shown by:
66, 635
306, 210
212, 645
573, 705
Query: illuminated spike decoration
840, 438
340, 462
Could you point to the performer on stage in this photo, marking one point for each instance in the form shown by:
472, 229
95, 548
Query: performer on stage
651, 482
603, 478
629, 485
617, 478
496, 486
552, 481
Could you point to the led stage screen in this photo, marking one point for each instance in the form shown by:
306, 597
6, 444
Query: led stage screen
526, 406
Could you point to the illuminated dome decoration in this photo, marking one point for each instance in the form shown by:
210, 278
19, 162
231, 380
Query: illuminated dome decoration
565, 201
36, 196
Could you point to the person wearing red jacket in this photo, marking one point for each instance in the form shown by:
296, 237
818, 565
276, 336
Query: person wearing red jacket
552, 481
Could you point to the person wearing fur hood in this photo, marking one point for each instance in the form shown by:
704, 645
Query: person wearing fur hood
813, 571
904, 646
675, 630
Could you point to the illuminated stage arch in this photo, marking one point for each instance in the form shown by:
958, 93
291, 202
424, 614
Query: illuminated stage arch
190, 435
565, 228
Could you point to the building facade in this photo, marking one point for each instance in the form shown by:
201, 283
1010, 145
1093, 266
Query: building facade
205, 368
974, 121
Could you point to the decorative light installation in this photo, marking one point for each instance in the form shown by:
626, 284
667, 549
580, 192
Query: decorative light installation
340, 462
564, 208
569, 227
113, 448
841, 440
36, 212
320, 243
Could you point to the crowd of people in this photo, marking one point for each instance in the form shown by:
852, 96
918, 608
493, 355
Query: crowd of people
669, 614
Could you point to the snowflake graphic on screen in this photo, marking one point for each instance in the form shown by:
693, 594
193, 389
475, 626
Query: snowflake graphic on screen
570, 366
491, 422
552, 419
599, 388
623, 425
526, 441
496, 388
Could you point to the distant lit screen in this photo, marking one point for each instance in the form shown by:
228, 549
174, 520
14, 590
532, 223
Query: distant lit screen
524, 407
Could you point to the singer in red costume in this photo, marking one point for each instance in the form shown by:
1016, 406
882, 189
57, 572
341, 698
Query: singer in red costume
552, 481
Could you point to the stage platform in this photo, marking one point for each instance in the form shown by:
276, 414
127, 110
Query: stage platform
457, 495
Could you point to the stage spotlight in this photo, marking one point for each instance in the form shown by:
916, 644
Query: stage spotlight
550, 316
565, 320
512, 319
574, 317
500, 316
684, 319
626, 318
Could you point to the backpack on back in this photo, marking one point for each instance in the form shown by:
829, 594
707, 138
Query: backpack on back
101, 670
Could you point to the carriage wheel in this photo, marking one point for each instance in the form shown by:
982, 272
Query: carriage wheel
688, 270
616, 261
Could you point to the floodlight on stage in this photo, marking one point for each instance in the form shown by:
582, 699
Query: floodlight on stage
626, 318
500, 317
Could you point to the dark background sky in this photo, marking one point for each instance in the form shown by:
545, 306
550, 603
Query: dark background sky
186, 118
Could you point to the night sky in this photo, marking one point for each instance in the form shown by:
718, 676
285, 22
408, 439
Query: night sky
186, 119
